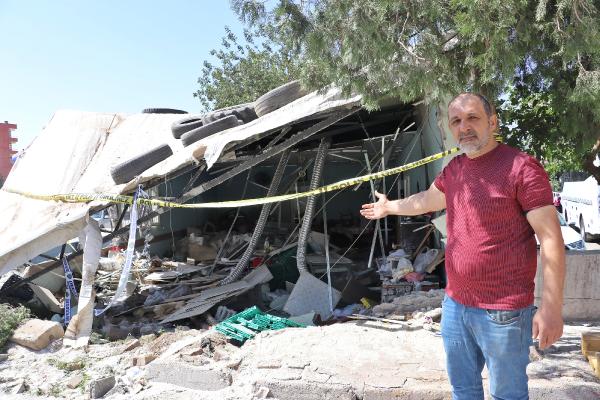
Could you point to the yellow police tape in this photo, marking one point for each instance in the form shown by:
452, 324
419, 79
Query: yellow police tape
87, 197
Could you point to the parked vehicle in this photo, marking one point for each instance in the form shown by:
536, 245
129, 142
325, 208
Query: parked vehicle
572, 239
580, 206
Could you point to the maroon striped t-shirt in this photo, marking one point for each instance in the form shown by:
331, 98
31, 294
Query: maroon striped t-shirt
491, 249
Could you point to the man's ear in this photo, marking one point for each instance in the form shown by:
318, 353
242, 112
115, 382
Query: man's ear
494, 122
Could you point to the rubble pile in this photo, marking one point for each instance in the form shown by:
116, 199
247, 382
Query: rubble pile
409, 304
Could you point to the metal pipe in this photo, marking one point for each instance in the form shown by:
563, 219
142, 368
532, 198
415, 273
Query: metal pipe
236, 272
377, 222
310, 204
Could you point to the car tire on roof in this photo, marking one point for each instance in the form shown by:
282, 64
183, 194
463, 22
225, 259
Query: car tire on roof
185, 125
209, 129
278, 98
245, 112
126, 171
162, 111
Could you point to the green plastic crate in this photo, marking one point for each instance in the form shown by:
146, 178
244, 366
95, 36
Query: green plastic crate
246, 324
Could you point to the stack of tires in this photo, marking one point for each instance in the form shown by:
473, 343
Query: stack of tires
195, 127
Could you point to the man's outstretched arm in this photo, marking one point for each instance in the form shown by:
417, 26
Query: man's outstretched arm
429, 200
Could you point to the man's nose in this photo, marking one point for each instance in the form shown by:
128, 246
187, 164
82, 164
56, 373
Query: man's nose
464, 127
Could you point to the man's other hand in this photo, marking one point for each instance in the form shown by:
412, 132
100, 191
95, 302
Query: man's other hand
547, 327
376, 210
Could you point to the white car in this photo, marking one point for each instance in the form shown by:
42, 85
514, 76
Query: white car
572, 238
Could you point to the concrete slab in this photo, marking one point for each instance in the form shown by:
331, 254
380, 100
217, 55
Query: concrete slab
350, 355
370, 361
37, 334
99, 387
582, 285
187, 375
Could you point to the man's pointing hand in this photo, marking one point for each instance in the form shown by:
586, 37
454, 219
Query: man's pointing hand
376, 210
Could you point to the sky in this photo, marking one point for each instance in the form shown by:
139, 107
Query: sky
103, 56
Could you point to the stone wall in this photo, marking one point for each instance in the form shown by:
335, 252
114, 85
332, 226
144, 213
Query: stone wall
582, 285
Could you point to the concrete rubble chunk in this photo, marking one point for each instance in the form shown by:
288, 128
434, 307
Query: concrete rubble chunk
189, 376
99, 387
132, 345
75, 380
18, 387
37, 334
260, 392
47, 298
299, 390
143, 360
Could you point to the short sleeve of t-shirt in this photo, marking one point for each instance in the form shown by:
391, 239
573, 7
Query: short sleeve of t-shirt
533, 186
441, 179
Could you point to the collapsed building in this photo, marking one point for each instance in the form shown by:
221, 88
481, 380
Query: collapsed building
309, 257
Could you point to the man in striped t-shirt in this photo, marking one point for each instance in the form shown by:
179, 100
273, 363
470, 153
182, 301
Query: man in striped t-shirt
496, 198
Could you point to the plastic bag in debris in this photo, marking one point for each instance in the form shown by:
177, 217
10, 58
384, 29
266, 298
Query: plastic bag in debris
398, 253
395, 261
424, 258
403, 266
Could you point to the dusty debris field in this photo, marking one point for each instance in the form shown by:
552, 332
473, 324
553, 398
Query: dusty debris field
352, 360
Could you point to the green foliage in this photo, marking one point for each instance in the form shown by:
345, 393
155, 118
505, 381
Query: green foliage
84, 382
55, 390
416, 49
531, 122
10, 319
74, 365
245, 71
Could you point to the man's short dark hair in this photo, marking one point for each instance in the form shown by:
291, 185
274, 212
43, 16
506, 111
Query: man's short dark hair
487, 106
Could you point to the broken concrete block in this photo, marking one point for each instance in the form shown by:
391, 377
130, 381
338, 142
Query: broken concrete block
18, 387
37, 334
74, 380
115, 332
99, 387
194, 351
3, 357
189, 376
47, 298
143, 360
131, 345
219, 355
260, 392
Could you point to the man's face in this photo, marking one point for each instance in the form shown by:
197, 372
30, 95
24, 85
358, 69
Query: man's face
471, 127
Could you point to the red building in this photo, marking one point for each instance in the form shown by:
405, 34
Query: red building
6, 151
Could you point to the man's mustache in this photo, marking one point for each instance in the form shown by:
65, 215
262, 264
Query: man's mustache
469, 135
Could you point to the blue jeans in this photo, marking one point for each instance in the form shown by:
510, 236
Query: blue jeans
499, 339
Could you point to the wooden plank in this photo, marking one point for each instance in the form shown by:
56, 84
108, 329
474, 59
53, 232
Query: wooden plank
590, 342
594, 360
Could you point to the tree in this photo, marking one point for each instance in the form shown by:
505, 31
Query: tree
415, 49
244, 71
530, 121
